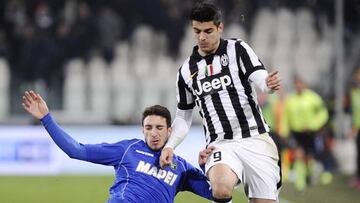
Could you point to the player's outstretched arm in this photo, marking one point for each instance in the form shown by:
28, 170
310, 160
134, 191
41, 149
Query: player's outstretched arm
36, 106
180, 128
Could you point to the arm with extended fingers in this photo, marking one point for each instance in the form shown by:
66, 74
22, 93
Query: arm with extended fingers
204, 156
273, 80
180, 128
34, 104
266, 82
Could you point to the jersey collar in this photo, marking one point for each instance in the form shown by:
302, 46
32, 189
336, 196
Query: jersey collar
220, 50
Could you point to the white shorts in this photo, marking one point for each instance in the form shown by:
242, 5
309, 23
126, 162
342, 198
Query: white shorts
255, 160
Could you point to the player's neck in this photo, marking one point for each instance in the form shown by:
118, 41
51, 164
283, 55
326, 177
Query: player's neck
205, 53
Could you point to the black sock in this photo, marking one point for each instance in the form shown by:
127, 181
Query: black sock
222, 200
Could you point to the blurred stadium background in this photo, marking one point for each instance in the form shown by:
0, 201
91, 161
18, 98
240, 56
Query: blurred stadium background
99, 63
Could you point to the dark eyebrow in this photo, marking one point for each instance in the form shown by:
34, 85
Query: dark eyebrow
206, 30
155, 126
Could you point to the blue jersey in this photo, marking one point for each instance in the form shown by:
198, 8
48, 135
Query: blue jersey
138, 176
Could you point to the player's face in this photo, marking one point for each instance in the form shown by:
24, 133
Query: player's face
299, 85
156, 132
358, 77
207, 35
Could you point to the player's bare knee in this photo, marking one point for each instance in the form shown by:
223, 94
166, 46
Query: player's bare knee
222, 185
222, 191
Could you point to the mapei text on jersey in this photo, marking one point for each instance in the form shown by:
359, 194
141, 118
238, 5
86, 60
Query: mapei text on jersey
168, 176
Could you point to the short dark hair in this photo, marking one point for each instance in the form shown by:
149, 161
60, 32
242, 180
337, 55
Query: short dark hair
205, 12
157, 110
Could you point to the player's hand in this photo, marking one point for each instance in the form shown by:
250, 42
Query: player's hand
204, 155
34, 104
166, 157
273, 80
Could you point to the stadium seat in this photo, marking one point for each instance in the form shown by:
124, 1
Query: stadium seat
124, 87
325, 57
150, 90
74, 86
148, 83
142, 52
166, 73
4, 89
305, 49
235, 30
262, 34
186, 44
285, 26
281, 58
159, 44
99, 82
142, 39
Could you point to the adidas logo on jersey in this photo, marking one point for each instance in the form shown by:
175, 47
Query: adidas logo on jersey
168, 176
215, 83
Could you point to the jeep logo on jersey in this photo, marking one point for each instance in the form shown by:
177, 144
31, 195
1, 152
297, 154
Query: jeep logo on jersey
215, 83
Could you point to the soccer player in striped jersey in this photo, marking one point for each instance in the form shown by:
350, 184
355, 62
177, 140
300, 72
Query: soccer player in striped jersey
138, 176
220, 78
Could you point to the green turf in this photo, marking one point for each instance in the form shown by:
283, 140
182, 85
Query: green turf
81, 189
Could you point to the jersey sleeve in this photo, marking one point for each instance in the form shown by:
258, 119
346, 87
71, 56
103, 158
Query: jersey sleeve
180, 127
247, 59
105, 153
259, 78
64, 141
195, 181
184, 96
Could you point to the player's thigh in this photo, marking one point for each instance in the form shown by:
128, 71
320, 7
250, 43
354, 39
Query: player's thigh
300, 139
309, 145
261, 164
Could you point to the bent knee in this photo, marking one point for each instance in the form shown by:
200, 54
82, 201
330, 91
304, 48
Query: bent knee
222, 191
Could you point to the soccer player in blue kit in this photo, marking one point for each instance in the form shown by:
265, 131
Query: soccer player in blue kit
138, 175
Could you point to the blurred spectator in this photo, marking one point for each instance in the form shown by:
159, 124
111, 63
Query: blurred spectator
45, 46
307, 115
84, 32
44, 19
110, 27
355, 108
3, 44
26, 65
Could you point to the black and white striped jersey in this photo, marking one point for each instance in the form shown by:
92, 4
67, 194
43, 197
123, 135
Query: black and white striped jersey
219, 85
